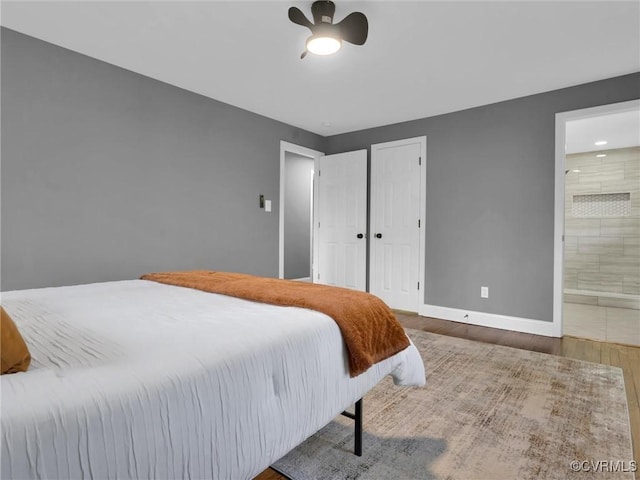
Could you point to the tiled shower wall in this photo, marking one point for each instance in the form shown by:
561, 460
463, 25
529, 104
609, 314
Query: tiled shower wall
602, 247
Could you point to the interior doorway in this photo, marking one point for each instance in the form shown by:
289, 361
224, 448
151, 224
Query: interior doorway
598, 215
297, 166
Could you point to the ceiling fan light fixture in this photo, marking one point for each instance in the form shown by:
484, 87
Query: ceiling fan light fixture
327, 37
323, 45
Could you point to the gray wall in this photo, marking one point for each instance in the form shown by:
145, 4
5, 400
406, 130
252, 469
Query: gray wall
490, 196
297, 216
107, 174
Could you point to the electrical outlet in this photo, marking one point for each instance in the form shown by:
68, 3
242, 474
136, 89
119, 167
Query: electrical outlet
484, 292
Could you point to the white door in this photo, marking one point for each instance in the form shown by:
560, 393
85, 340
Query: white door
341, 220
396, 222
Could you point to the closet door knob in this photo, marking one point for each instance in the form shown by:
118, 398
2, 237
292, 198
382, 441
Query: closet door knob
360, 235
378, 235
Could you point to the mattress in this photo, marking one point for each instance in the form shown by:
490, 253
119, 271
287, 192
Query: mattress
136, 379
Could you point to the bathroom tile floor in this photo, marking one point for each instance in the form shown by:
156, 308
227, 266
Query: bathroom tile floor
618, 325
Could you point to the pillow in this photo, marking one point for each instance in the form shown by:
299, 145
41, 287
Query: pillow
14, 353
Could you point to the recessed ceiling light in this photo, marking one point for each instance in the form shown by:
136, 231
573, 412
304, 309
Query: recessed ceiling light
601, 142
601, 155
326, 124
575, 171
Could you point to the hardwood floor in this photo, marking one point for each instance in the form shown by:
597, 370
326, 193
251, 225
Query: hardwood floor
623, 356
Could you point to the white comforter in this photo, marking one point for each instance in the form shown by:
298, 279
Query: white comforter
136, 379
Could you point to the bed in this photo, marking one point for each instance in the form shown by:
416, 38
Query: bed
137, 379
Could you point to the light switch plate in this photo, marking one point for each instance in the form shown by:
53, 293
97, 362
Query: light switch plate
484, 292
267, 205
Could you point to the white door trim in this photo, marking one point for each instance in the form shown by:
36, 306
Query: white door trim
558, 232
300, 150
423, 208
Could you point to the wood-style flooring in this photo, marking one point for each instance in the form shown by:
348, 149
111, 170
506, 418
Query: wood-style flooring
623, 356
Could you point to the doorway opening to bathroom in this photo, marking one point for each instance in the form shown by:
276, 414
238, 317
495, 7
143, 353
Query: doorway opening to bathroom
600, 201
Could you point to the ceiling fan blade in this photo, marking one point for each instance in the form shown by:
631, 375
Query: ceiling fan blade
297, 17
354, 28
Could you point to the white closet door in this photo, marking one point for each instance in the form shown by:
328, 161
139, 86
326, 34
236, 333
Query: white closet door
340, 221
396, 173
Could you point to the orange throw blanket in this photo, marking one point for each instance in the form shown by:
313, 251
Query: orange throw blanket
369, 328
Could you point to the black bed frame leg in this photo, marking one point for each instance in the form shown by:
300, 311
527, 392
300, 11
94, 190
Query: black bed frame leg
357, 417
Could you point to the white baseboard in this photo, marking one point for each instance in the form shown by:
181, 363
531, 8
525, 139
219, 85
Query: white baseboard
302, 279
504, 322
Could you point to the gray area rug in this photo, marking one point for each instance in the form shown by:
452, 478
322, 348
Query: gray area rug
487, 412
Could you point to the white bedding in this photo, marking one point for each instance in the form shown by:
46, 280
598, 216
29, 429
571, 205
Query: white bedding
135, 379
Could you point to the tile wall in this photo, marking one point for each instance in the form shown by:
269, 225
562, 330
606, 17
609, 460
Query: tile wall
602, 252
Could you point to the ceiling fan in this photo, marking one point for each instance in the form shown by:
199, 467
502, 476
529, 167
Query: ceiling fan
326, 37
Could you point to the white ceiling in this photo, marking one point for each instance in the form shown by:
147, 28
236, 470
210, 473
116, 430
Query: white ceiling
619, 130
422, 58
